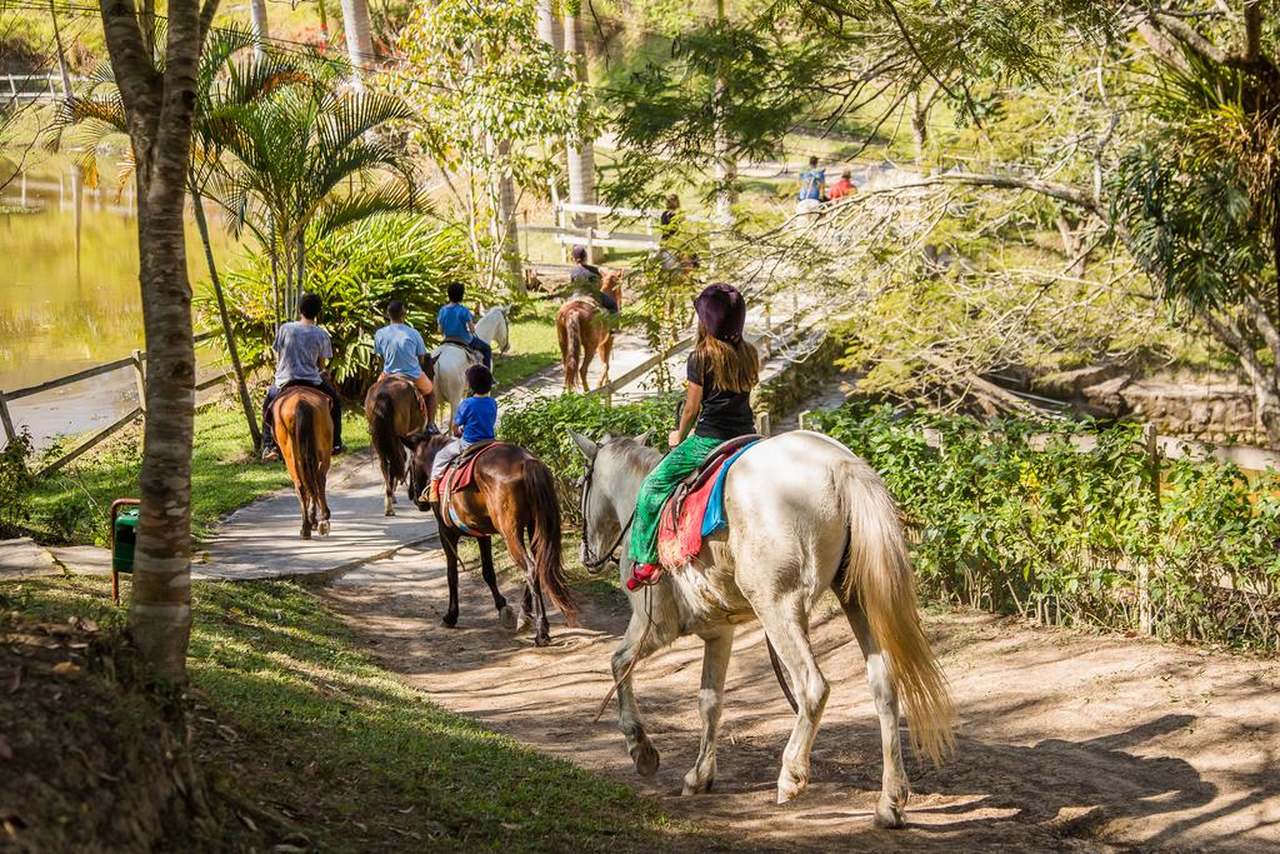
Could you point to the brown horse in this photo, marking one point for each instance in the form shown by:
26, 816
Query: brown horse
391, 407
511, 494
584, 331
304, 432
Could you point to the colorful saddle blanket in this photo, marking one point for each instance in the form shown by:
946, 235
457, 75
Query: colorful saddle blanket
461, 472
696, 509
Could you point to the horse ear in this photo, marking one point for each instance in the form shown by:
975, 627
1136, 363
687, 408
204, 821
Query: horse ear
588, 448
643, 438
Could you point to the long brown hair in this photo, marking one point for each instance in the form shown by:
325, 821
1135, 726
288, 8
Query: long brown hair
733, 367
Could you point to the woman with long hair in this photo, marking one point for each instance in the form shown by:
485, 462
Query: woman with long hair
721, 371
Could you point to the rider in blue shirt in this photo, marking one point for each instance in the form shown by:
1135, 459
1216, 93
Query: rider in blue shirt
457, 324
475, 421
402, 349
813, 183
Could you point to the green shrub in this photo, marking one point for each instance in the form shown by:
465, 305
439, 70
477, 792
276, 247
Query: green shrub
1013, 524
542, 426
356, 271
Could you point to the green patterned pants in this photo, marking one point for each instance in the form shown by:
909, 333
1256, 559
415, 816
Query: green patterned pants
683, 460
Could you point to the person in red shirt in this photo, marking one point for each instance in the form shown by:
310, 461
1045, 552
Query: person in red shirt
843, 187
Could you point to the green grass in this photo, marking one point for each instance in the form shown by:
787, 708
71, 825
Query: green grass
533, 345
358, 758
72, 506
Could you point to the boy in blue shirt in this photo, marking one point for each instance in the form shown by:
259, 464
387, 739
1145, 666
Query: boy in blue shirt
401, 349
457, 324
475, 421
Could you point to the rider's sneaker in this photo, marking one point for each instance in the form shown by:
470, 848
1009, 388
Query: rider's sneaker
271, 455
644, 574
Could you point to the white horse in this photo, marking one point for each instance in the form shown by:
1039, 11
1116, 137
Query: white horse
805, 516
452, 360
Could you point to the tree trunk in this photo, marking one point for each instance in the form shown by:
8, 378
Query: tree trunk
245, 402
358, 31
159, 104
581, 153
548, 26
261, 32
505, 208
726, 165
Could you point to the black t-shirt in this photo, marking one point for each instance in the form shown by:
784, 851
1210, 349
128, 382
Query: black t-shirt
725, 414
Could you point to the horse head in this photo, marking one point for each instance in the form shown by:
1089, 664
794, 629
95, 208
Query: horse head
422, 446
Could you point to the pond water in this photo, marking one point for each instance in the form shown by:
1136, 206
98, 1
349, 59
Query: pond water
69, 296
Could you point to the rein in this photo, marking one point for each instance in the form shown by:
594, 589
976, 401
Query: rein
611, 554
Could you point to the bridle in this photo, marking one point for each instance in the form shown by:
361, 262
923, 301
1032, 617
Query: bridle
611, 555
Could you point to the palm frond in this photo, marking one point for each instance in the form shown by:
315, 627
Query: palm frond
337, 213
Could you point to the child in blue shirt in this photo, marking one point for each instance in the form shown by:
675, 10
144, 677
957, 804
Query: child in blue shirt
457, 323
475, 421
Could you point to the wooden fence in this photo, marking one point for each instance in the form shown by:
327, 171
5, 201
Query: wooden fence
137, 361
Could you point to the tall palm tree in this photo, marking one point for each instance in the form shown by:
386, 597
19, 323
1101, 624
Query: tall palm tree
261, 29
581, 152
305, 165
226, 79
358, 30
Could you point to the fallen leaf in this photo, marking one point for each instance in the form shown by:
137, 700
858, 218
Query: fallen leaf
6, 752
66, 668
88, 625
16, 682
248, 822
285, 848
405, 811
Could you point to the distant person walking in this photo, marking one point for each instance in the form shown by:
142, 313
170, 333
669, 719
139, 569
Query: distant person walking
844, 187
813, 183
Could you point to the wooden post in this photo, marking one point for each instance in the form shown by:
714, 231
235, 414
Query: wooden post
9, 433
1145, 618
764, 423
140, 376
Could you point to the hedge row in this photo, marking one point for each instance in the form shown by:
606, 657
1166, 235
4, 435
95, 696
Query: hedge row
1004, 524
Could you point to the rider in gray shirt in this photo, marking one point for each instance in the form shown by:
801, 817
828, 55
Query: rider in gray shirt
301, 348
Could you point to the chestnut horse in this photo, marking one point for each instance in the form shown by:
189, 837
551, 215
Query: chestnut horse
512, 494
391, 407
304, 432
585, 331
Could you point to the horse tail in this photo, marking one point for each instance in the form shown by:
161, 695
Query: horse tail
544, 508
382, 430
878, 572
308, 455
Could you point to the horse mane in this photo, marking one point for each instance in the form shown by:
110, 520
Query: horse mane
639, 458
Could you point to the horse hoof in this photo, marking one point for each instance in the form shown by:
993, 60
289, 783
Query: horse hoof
542, 640
390, 511
789, 787
507, 616
306, 533
646, 759
449, 621
889, 816
324, 529
696, 788
523, 622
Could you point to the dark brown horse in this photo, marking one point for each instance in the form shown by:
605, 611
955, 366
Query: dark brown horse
304, 432
391, 407
585, 331
512, 494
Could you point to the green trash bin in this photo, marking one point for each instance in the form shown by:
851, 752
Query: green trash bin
124, 538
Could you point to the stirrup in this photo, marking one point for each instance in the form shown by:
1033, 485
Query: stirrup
644, 575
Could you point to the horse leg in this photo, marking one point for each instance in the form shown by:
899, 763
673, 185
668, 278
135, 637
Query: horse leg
306, 512
388, 499
451, 539
786, 623
894, 787
505, 612
715, 664
322, 500
636, 646
605, 352
542, 630
511, 534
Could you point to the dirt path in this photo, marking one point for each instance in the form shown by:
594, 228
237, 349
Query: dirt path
1068, 741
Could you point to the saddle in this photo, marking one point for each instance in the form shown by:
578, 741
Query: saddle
460, 473
473, 355
695, 509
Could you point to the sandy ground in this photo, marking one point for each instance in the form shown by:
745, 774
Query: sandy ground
1067, 740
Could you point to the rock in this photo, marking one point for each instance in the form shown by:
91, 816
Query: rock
23, 558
